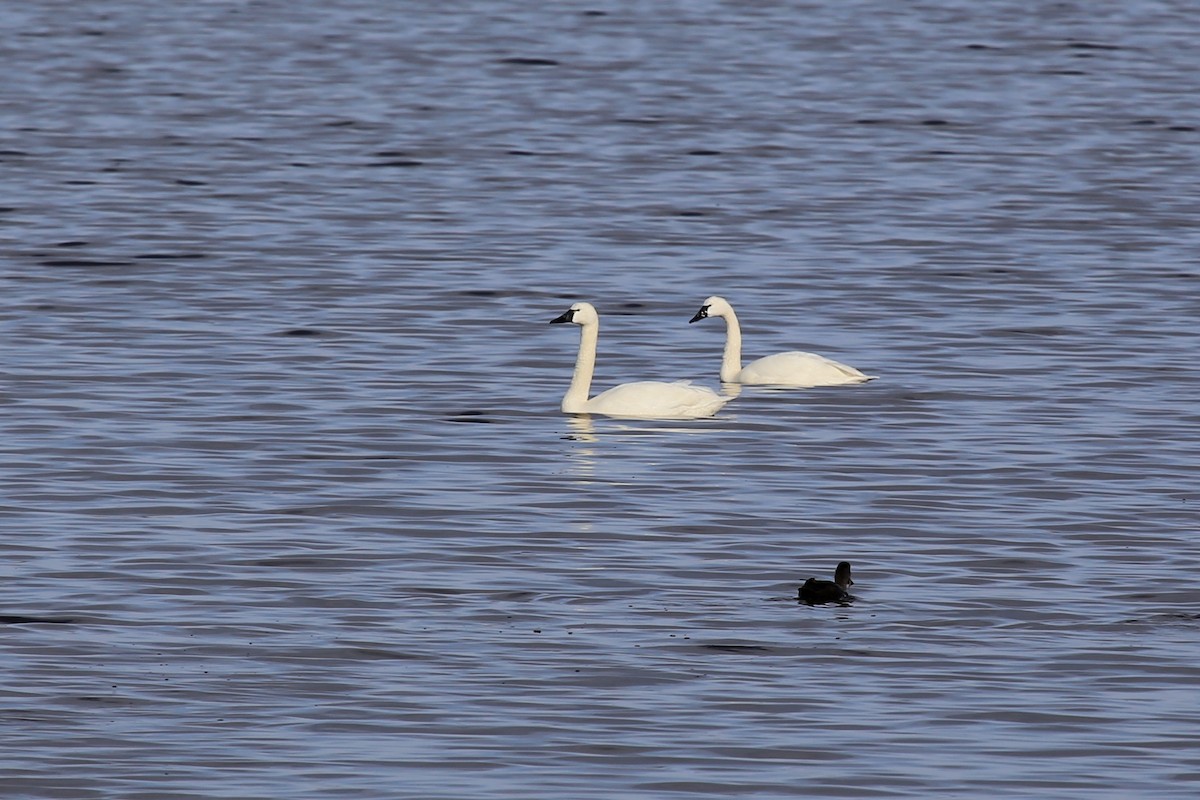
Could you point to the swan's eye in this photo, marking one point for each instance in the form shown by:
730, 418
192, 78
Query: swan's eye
704, 311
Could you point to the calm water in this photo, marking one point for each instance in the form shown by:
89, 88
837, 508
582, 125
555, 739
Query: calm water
279, 403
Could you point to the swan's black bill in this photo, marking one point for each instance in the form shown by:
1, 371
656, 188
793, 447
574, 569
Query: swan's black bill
701, 314
565, 317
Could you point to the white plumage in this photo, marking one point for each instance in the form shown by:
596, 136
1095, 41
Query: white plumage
641, 399
793, 368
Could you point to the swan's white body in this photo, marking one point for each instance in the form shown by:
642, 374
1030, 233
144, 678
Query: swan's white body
642, 399
793, 368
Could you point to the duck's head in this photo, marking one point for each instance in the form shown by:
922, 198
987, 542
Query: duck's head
841, 576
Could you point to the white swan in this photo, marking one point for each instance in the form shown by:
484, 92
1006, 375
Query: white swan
793, 368
643, 399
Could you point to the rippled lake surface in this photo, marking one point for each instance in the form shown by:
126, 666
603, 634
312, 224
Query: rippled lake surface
289, 508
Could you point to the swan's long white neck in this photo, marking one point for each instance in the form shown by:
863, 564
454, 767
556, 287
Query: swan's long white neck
575, 400
731, 362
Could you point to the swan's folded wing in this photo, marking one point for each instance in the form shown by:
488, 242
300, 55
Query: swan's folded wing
657, 400
797, 368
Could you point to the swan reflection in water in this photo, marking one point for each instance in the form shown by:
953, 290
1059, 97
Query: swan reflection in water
581, 458
589, 436
585, 429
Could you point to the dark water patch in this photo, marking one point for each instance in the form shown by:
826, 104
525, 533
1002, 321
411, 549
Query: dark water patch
1092, 46
1038, 331
20, 619
303, 332
100, 700
170, 256
435, 591
704, 152
476, 417
398, 162
347, 457
84, 263
529, 61
516, 596
374, 654
190, 182
750, 649
1164, 619
71, 243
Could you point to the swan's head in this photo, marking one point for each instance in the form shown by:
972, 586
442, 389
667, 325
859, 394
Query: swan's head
713, 307
841, 575
579, 314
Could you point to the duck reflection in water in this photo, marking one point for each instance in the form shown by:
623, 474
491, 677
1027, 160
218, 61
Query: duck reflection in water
817, 592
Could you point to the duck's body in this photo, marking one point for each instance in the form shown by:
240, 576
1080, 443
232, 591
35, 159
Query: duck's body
791, 368
640, 399
815, 592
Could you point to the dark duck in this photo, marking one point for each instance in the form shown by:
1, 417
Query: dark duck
815, 592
